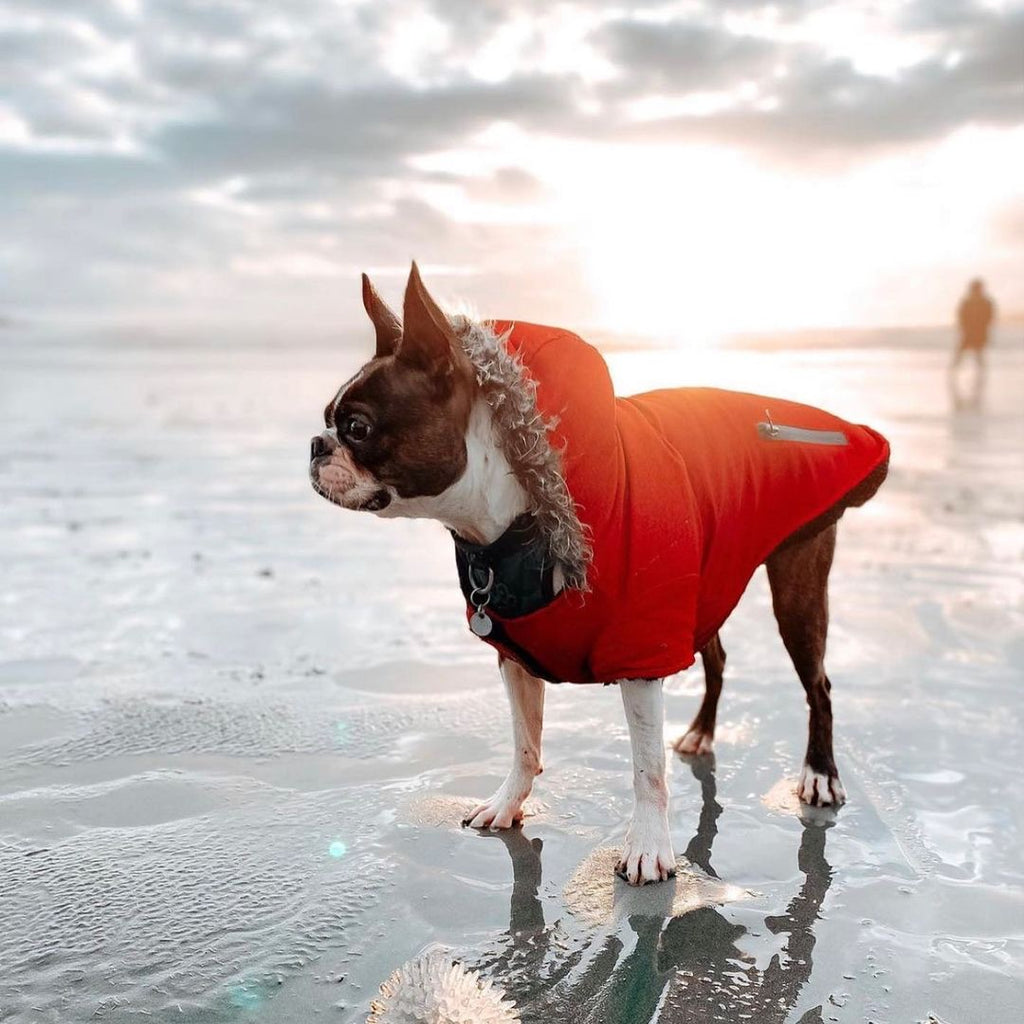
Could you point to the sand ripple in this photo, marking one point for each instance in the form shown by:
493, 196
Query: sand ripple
189, 913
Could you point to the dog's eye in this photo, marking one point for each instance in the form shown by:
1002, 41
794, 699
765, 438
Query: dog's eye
356, 428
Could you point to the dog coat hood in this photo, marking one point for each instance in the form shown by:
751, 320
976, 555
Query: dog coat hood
681, 494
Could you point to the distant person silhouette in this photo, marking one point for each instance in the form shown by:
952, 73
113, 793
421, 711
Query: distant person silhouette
974, 315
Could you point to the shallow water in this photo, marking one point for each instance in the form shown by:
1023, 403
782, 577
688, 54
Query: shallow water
237, 725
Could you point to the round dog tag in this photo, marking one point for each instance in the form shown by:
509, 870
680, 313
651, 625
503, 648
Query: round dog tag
480, 622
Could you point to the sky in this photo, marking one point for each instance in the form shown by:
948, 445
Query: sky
658, 168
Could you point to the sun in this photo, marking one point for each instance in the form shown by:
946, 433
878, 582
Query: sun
692, 244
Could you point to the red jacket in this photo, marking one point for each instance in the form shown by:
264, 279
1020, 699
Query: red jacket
683, 496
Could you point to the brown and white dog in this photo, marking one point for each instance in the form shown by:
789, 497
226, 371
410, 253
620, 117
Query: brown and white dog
413, 434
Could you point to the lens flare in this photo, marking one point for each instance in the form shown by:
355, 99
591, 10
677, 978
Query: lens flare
244, 996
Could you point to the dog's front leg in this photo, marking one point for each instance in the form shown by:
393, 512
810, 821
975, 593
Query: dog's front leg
647, 855
526, 697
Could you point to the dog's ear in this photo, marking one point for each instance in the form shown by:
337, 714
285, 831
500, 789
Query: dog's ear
385, 323
427, 340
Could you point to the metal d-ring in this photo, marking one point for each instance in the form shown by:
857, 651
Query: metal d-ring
480, 622
481, 590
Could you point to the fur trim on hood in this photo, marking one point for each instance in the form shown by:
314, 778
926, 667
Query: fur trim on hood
523, 437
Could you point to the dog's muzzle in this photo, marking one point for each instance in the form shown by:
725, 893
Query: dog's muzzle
321, 448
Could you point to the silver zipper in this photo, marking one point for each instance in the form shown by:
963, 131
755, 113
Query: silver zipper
772, 431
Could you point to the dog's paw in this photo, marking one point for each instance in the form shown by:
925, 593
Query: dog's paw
495, 814
694, 742
503, 810
647, 854
820, 790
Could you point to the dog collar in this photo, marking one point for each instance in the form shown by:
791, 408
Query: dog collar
516, 572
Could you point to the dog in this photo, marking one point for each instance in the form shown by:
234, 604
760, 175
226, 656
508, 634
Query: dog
599, 539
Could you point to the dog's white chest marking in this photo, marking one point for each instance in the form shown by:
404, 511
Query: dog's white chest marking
482, 503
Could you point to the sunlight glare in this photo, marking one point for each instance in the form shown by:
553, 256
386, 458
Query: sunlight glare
687, 242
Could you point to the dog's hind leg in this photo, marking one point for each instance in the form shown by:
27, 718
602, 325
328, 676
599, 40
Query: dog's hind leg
647, 853
526, 698
699, 737
798, 574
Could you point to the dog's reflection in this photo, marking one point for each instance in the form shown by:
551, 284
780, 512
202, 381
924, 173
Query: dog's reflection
645, 963
690, 969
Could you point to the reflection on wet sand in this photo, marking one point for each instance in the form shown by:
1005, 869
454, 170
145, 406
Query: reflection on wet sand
689, 966
698, 850
969, 397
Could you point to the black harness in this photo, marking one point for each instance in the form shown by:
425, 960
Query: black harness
517, 566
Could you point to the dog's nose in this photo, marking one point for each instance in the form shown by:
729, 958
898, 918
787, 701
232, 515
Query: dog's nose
318, 446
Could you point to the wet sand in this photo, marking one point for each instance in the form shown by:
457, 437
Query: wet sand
237, 725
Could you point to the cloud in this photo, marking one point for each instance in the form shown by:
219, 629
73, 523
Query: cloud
155, 148
368, 131
800, 100
652, 57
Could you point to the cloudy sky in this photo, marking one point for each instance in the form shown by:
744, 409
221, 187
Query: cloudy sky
661, 167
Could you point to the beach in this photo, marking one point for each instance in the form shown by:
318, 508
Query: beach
237, 725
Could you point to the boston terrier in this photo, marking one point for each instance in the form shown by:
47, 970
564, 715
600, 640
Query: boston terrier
599, 539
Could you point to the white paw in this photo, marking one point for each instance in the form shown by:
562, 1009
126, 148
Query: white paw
693, 742
503, 810
647, 854
820, 790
